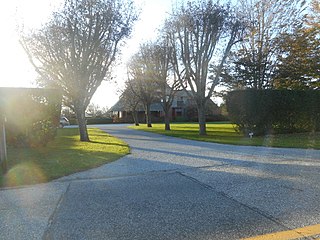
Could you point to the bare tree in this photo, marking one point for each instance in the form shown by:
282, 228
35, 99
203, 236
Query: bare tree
96, 111
202, 34
131, 102
158, 60
76, 48
141, 83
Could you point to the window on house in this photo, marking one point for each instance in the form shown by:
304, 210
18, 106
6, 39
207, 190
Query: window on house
179, 103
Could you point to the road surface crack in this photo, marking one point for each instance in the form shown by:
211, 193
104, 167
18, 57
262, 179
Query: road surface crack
46, 234
254, 209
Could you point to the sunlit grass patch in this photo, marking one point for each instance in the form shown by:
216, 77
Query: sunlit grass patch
65, 155
225, 133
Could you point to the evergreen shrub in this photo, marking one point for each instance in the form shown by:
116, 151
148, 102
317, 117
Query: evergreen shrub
274, 111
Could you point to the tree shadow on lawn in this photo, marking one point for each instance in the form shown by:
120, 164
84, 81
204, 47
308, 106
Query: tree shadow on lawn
59, 158
195, 129
109, 144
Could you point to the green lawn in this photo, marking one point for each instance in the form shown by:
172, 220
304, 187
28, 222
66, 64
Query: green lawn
225, 133
65, 155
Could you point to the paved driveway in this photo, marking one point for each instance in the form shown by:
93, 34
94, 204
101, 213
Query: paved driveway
170, 188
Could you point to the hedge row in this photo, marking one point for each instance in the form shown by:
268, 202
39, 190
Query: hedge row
92, 120
274, 111
99, 121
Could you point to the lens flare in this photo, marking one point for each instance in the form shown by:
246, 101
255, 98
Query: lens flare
24, 174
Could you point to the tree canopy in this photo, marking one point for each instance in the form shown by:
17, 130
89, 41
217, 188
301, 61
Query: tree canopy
141, 79
202, 34
299, 55
75, 50
299, 62
255, 59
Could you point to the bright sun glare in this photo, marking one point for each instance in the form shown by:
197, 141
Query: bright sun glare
16, 71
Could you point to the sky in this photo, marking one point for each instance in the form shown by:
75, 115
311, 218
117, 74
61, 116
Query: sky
16, 70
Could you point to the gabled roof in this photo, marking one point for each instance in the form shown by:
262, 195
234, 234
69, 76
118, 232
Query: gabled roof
119, 106
155, 107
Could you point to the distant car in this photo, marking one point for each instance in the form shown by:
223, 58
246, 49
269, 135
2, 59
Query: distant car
64, 122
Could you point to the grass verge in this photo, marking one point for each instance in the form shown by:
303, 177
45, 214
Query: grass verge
63, 156
225, 133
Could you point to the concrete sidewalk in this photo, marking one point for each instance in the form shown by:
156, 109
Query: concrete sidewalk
170, 188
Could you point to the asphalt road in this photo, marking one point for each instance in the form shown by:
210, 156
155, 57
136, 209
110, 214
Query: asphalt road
170, 188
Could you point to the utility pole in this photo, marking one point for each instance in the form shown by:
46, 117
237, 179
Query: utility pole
3, 146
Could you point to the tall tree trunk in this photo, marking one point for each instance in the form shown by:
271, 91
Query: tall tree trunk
202, 119
167, 120
81, 117
135, 118
148, 115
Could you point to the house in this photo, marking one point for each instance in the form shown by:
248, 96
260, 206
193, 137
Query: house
183, 109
